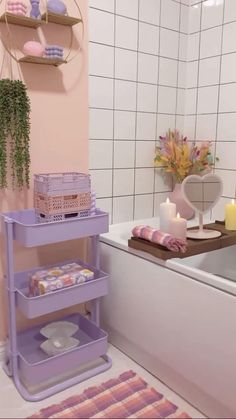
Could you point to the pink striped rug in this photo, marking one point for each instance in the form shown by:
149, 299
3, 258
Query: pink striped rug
128, 396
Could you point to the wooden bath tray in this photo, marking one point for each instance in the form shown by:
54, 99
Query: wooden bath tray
195, 247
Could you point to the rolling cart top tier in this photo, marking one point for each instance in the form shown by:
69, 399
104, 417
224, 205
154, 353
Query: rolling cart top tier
30, 233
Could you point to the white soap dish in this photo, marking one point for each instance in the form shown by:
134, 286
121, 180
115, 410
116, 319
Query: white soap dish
59, 330
57, 346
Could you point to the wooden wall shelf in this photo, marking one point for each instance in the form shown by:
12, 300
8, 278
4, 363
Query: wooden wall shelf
60, 19
42, 60
13, 19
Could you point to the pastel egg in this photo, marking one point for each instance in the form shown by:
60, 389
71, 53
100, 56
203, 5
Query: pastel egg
33, 48
56, 6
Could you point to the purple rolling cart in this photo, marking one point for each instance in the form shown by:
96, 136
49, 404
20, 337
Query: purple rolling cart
29, 366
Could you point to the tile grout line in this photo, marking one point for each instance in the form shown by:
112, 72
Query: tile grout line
166, 85
219, 89
177, 81
137, 194
114, 97
136, 113
157, 107
134, 81
133, 50
153, 141
198, 75
136, 20
219, 92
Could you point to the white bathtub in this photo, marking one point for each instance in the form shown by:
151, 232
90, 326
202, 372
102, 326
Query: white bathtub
176, 318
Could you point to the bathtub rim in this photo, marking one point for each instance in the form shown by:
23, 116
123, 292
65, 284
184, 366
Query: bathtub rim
176, 264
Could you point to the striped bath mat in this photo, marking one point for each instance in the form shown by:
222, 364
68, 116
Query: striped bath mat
128, 396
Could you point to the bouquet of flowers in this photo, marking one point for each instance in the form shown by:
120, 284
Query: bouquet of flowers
181, 158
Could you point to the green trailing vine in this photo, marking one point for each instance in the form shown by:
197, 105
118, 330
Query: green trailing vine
15, 128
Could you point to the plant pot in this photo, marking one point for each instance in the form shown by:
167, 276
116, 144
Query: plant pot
181, 205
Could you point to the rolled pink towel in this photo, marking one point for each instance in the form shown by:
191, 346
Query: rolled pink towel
157, 236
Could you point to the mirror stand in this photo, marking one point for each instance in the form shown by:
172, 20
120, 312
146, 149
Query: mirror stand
201, 233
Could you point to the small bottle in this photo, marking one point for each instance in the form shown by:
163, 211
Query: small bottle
35, 12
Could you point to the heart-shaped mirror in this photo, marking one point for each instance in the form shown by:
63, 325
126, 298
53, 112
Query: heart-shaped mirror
202, 192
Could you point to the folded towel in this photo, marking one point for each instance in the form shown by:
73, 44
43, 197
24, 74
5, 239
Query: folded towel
157, 236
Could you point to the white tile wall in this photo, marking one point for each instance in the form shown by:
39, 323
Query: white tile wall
101, 124
208, 99
125, 95
143, 206
213, 73
148, 38
147, 98
230, 11
147, 68
209, 71
228, 38
194, 18
101, 60
144, 153
167, 100
169, 43
144, 181
100, 92
226, 127
228, 70
193, 46
100, 154
206, 127
147, 76
101, 26
192, 74
170, 15
211, 42
124, 125
126, 33
168, 72
125, 64
146, 126
127, 8
191, 101
124, 154
150, 14
123, 182
212, 14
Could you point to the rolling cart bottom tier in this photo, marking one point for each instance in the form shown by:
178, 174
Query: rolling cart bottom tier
36, 367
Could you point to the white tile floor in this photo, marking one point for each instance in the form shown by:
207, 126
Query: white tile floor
13, 406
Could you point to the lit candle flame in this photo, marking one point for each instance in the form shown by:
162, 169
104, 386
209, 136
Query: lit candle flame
178, 215
167, 200
233, 201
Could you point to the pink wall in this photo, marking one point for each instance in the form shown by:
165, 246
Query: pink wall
59, 132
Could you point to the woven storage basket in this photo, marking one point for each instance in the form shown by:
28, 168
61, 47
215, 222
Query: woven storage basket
58, 204
49, 218
62, 194
60, 183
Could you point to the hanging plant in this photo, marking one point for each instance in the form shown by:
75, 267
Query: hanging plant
15, 127
5, 122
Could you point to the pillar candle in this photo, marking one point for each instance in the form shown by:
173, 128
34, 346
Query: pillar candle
167, 212
230, 216
178, 227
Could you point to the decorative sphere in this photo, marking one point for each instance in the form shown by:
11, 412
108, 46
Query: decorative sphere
56, 6
33, 48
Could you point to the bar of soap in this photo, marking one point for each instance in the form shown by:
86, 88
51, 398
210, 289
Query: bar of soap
33, 48
58, 343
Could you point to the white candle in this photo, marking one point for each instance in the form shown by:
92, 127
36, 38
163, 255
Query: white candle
178, 227
167, 212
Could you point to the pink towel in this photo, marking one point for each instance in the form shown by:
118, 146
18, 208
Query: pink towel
157, 236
